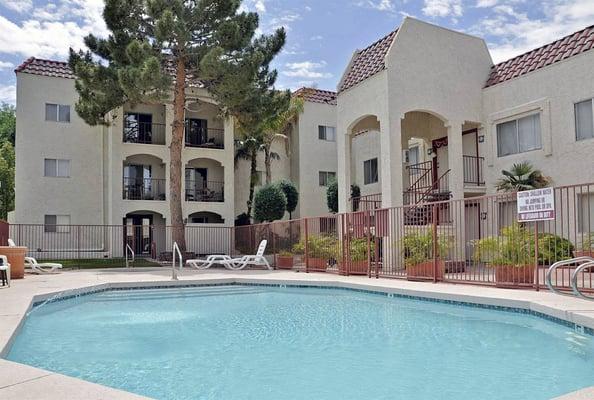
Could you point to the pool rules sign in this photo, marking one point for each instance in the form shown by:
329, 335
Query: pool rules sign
536, 205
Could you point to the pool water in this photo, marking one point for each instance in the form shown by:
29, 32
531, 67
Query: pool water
252, 342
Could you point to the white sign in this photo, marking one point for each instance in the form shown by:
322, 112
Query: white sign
536, 205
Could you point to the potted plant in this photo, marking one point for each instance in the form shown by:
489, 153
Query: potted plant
511, 254
355, 262
586, 247
417, 250
320, 251
284, 260
553, 248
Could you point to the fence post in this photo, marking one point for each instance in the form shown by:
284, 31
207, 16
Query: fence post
369, 244
435, 247
78, 242
271, 234
305, 252
536, 272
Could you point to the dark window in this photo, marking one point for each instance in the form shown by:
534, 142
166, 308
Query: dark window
327, 133
326, 177
196, 131
57, 112
370, 171
138, 128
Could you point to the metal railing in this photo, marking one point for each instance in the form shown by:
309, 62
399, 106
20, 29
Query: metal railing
144, 132
205, 191
144, 189
205, 138
366, 202
473, 170
130, 256
176, 252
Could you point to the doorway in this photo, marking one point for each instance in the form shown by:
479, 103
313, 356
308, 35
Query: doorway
138, 233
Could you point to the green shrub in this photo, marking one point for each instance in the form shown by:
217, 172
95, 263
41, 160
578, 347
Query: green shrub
553, 248
318, 246
270, 204
417, 247
514, 247
291, 194
332, 196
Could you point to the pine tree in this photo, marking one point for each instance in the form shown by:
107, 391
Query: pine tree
156, 48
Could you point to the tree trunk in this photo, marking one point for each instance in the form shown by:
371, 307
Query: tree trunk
175, 151
253, 168
267, 166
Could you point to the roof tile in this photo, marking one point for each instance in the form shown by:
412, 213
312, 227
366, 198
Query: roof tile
316, 95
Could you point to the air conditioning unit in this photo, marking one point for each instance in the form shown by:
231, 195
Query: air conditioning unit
405, 158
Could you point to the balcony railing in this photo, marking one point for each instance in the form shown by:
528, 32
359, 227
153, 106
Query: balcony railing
205, 138
206, 191
366, 202
473, 170
144, 189
144, 132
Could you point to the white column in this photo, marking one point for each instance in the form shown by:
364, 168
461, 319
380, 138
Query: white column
391, 161
455, 159
344, 146
166, 160
229, 174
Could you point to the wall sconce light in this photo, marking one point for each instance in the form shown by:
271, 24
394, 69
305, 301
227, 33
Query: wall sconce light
429, 151
483, 215
481, 138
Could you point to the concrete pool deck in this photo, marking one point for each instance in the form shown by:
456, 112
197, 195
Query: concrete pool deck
18, 381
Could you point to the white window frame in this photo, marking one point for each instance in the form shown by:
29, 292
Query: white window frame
372, 179
57, 162
61, 225
325, 177
575, 105
517, 120
57, 116
323, 133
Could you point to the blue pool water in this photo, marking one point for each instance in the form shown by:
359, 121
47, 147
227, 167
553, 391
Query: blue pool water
249, 342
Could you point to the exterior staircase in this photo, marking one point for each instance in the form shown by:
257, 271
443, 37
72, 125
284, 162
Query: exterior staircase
424, 190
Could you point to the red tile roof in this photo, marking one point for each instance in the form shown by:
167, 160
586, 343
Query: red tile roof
551, 53
316, 95
38, 66
367, 62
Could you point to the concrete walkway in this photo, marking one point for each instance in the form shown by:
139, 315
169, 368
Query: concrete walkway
19, 381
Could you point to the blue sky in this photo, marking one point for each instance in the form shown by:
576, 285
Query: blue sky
322, 34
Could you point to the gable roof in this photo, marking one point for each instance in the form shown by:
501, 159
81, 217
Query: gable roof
316, 95
551, 53
367, 62
38, 66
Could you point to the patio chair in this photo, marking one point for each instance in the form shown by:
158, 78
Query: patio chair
5, 271
233, 263
40, 268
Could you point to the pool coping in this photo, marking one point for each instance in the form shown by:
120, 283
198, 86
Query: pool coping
579, 317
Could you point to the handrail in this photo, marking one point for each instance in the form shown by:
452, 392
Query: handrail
552, 268
129, 251
574, 277
177, 251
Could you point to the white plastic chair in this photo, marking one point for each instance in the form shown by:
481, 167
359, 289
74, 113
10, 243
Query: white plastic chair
40, 268
233, 263
6, 268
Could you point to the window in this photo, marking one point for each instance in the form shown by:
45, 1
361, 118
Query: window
326, 177
138, 128
370, 171
56, 223
57, 112
56, 168
519, 136
327, 133
584, 120
413, 155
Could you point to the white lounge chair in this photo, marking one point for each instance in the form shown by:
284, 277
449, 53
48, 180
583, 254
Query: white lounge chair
233, 263
5, 268
40, 268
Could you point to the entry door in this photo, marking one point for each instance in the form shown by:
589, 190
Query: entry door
442, 161
139, 233
472, 226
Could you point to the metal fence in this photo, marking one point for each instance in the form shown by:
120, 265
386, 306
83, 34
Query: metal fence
473, 241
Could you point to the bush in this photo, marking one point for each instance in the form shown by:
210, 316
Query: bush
243, 219
318, 246
417, 247
514, 247
291, 194
332, 196
270, 204
355, 196
553, 248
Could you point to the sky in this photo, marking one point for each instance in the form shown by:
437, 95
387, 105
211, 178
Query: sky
321, 34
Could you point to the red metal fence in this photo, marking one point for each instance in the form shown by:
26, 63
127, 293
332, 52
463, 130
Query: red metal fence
474, 241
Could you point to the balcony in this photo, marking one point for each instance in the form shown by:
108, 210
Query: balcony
205, 191
473, 170
136, 131
209, 138
144, 189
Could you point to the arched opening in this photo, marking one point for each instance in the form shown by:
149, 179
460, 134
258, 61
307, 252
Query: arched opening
143, 178
204, 126
205, 180
144, 232
205, 217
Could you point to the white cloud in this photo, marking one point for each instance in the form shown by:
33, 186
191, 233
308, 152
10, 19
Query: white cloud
306, 70
443, 8
6, 65
486, 3
8, 94
19, 6
380, 5
260, 6
283, 21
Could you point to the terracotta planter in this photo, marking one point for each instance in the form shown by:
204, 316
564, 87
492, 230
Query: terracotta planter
16, 259
583, 253
316, 264
355, 268
284, 262
425, 271
512, 275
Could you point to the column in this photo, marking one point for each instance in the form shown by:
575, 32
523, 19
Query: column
457, 209
344, 146
391, 161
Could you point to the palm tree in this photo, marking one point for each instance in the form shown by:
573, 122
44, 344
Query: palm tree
522, 177
247, 148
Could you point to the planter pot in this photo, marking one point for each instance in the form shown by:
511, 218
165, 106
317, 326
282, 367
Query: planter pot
284, 262
316, 264
425, 271
583, 253
16, 259
354, 268
514, 275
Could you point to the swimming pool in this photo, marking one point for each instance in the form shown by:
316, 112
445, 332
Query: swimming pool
258, 342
